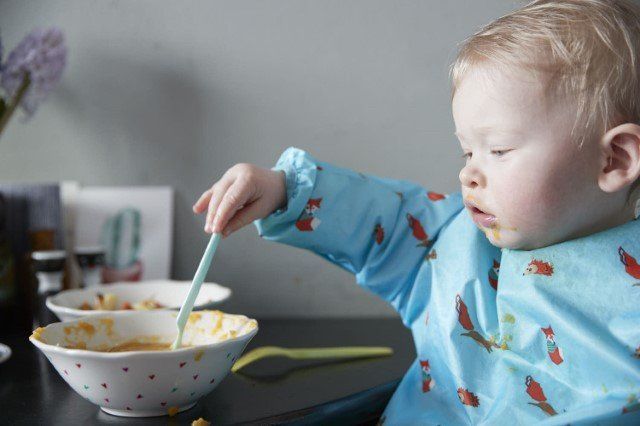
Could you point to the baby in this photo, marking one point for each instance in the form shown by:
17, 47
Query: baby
523, 290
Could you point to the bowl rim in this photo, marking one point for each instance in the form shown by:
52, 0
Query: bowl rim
135, 354
6, 352
50, 301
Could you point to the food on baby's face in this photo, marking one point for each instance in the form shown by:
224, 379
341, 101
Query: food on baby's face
200, 422
109, 302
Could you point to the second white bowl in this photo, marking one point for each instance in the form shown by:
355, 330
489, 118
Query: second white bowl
169, 293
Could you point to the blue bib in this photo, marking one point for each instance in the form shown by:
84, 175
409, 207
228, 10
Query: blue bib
549, 336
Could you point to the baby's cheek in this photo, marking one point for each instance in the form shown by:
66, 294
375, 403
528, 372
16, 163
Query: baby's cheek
530, 210
543, 208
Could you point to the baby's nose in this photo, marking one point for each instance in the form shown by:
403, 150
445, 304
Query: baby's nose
471, 177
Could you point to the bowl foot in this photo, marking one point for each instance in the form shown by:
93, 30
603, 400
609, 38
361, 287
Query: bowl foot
144, 413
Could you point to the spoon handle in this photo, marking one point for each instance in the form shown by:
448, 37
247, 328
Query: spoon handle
201, 272
311, 353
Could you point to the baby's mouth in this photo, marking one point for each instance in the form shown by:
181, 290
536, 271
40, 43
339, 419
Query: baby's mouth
481, 218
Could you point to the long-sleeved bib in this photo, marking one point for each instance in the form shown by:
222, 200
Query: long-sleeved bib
548, 336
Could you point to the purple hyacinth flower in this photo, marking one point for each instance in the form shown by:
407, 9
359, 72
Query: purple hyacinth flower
42, 54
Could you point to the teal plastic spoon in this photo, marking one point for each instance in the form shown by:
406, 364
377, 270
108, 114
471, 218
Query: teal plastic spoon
201, 272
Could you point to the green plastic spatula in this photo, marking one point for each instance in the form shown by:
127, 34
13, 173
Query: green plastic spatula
201, 272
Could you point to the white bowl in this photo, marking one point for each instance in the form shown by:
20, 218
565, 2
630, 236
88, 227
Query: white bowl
145, 383
169, 293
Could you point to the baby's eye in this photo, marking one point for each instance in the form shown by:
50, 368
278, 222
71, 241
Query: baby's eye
499, 152
466, 155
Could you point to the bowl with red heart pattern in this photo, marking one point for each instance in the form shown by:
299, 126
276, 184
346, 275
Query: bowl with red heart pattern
124, 362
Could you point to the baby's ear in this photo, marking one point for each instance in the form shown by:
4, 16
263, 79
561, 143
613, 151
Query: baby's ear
620, 157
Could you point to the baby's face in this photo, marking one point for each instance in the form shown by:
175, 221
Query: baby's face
533, 185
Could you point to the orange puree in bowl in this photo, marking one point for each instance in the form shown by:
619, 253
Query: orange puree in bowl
128, 346
134, 345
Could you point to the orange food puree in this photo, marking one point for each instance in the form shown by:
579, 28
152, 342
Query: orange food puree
135, 345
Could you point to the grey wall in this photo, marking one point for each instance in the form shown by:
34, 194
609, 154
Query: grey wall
174, 92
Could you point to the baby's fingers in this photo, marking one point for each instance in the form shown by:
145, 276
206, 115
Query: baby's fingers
243, 217
233, 199
218, 191
203, 201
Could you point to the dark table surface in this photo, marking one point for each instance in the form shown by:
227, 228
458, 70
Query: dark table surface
271, 391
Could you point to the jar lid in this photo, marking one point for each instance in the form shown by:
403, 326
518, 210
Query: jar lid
88, 250
49, 255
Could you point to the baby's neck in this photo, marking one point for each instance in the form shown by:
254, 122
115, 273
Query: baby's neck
607, 222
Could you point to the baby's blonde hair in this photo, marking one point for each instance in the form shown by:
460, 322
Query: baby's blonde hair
588, 50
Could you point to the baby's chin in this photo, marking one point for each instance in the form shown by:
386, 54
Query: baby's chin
507, 237
512, 240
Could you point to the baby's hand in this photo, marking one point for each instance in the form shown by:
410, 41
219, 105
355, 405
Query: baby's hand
243, 194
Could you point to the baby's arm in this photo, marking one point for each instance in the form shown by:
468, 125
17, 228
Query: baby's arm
379, 229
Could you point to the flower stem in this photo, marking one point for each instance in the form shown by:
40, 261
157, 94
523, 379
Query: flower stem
15, 101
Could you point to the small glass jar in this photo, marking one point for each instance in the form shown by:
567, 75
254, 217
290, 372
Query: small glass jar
91, 262
48, 266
